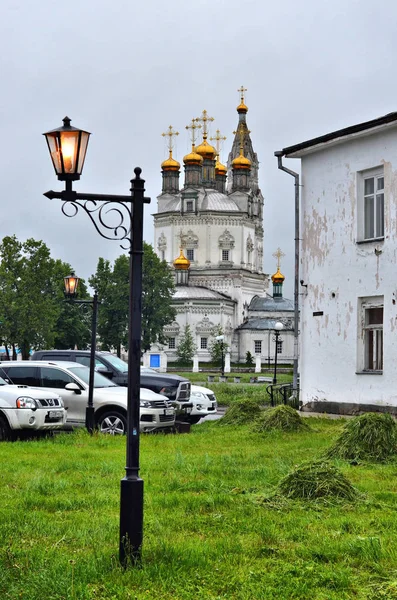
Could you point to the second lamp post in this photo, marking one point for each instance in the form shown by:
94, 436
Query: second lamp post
277, 329
71, 285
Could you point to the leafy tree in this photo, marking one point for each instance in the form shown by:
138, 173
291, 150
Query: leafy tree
186, 347
215, 346
113, 289
249, 359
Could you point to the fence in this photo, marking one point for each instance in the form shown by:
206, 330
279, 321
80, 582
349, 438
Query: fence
282, 393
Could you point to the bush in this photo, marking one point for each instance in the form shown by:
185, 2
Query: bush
281, 418
371, 437
242, 411
315, 480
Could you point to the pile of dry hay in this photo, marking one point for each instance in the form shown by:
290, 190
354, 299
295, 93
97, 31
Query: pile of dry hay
316, 480
280, 418
371, 437
241, 412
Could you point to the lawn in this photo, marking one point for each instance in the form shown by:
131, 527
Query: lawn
207, 534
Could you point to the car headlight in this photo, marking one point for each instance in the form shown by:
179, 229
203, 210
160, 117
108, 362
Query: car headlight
197, 396
61, 404
26, 402
145, 404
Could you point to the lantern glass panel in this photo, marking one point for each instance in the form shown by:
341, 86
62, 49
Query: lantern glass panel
71, 284
83, 149
69, 149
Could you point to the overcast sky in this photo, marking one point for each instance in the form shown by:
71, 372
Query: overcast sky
126, 70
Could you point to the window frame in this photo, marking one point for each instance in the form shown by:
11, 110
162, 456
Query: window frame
172, 343
190, 254
363, 236
203, 343
370, 345
257, 344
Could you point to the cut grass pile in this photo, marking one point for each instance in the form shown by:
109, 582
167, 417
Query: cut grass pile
370, 437
316, 480
242, 412
280, 418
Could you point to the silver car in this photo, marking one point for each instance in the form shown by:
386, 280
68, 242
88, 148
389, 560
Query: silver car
70, 381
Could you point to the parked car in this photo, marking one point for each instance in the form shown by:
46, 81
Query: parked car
176, 388
204, 403
70, 381
27, 409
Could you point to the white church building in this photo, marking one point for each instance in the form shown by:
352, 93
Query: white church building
209, 228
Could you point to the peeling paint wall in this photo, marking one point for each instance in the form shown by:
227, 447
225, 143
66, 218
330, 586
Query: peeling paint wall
339, 271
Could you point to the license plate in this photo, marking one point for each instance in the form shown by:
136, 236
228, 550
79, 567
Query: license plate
168, 411
54, 414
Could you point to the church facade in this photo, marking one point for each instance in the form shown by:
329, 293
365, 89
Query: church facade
209, 228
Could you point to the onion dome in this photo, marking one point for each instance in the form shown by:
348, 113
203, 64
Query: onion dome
278, 277
170, 164
220, 169
193, 158
206, 150
241, 162
242, 108
181, 263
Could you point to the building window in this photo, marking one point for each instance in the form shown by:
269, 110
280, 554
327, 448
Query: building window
162, 255
171, 343
225, 255
190, 254
371, 187
204, 343
279, 346
371, 319
189, 206
258, 346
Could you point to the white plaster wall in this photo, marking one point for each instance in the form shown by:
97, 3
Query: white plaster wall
338, 271
247, 343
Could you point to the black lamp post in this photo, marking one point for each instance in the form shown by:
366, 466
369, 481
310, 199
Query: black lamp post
221, 339
68, 146
277, 328
71, 285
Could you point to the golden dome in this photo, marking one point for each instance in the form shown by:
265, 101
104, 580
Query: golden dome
241, 162
278, 277
181, 263
242, 108
170, 164
220, 169
193, 158
206, 150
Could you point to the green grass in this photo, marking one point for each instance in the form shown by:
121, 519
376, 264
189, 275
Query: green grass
206, 535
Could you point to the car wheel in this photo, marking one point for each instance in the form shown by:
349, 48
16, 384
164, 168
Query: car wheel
6, 433
112, 422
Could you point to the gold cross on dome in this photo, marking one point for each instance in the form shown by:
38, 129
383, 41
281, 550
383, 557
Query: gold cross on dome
170, 134
242, 89
218, 138
204, 119
278, 254
193, 127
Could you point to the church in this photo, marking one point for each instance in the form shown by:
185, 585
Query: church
209, 229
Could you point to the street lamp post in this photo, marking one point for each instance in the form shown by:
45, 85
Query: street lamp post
221, 339
71, 285
277, 328
68, 146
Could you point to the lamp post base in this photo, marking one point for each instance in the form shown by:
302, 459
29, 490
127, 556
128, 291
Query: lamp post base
131, 521
90, 419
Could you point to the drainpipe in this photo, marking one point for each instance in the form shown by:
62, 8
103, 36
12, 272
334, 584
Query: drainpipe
279, 155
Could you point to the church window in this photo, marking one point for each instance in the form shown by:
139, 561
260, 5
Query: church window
162, 255
225, 255
258, 346
279, 346
190, 254
204, 343
171, 343
189, 206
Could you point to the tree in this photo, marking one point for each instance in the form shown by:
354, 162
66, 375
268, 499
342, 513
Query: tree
217, 346
113, 289
249, 359
186, 347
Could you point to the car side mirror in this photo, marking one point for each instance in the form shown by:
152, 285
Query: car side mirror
105, 372
73, 387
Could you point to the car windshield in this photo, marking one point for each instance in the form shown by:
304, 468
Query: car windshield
84, 373
116, 362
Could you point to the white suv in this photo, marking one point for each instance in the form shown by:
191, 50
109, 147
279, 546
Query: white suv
204, 403
70, 381
27, 409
